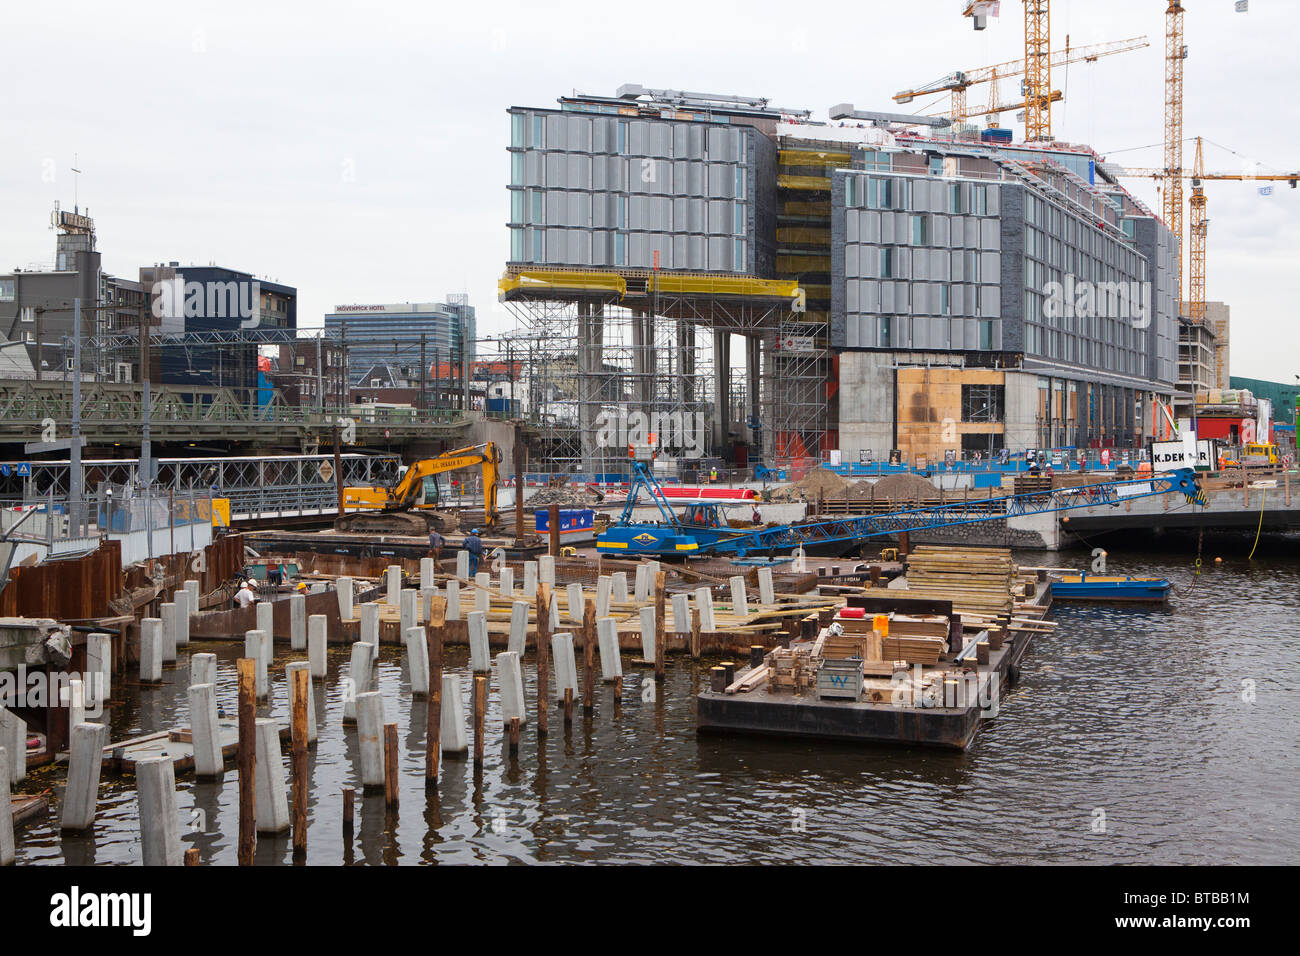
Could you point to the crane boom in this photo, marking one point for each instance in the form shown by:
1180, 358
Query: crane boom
1175, 53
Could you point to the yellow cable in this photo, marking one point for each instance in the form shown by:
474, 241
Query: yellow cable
1263, 493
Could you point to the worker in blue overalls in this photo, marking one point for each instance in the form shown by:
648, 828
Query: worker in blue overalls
474, 545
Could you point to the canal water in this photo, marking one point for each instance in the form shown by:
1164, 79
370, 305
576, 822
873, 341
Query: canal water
1133, 736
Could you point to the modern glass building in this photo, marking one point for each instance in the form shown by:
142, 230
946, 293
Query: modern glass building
390, 334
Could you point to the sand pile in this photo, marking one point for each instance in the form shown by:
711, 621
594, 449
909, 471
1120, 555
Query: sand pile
819, 480
905, 487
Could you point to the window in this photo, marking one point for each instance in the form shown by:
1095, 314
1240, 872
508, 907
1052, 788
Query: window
539, 131
516, 169
518, 126
539, 206
516, 253
954, 199
982, 403
986, 334
517, 199
945, 300
739, 253
886, 263
539, 248
852, 191
29, 338
981, 200
622, 212
620, 249
884, 331
28, 313
6, 290
740, 182
920, 230
738, 226
622, 136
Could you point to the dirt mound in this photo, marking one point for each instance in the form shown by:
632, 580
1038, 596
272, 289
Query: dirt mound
905, 487
819, 480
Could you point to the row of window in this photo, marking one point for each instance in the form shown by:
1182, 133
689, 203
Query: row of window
664, 139
539, 207
896, 192
637, 250
614, 174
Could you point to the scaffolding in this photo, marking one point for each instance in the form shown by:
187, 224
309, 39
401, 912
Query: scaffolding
609, 356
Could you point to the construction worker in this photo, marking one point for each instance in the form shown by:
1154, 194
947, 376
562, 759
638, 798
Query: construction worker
756, 518
246, 594
435, 546
474, 545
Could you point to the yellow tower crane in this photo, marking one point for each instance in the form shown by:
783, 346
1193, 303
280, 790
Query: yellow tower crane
1175, 54
1038, 71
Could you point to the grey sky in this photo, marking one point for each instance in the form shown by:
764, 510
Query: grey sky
357, 150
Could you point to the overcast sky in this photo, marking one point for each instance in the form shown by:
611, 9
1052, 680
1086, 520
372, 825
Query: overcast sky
357, 151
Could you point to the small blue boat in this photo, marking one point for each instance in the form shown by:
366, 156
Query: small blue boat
1100, 587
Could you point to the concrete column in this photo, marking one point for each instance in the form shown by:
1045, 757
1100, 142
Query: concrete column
462, 565
519, 628
546, 569
255, 647
203, 669
686, 363
530, 579
619, 581
427, 572
363, 656
753, 385
99, 668
7, 851
452, 733
370, 623
167, 614
343, 587
611, 661
85, 756
721, 389
507, 583
453, 600
160, 826
639, 588
311, 697
417, 660
317, 644
393, 584
510, 679
406, 610
271, 796
681, 613
370, 739
555, 612
74, 698
266, 623
479, 661
182, 601
424, 608
151, 650
604, 592
566, 666
483, 592
739, 599
766, 592
648, 633
13, 737
704, 601
573, 594
298, 622
204, 732
192, 591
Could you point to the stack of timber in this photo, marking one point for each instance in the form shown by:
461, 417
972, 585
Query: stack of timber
916, 638
980, 582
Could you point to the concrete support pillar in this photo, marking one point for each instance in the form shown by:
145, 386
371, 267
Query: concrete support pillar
266, 622
519, 628
555, 612
427, 570
640, 588
573, 594
183, 611
363, 659
343, 586
271, 794
203, 669
566, 666
392, 584
604, 592
407, 617
453, 735
167, 614
648, 633
192, 591
370, 739
453, 600
370, 623
510, 679
73, 697
681, 613
530, 579
739, 599
507, 583
546, 569
591, 333
204, 733
317, 645
151, 651
13, 737
424, 607
298, 622
99, 668
462, 565
479, 661
289, 670
7, 851
483, 592
766, 592
611, 661
160, 826
721, 389
619, 582
255, 647
704, 601
85, 757
417, 660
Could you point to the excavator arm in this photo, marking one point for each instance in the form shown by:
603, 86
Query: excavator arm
402, 497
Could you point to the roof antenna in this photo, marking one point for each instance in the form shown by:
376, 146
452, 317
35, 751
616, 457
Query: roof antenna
76, 173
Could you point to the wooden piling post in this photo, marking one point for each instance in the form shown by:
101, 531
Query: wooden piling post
433, 721
660, 589
519, 506
514, 735
568, 706
192, 856
480, 715
299, 692
553, 516
390, 765
695, 633
349, 809
543, 655
246, 760
588, 656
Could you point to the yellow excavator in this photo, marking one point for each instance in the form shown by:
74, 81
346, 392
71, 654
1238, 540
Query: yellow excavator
411, 506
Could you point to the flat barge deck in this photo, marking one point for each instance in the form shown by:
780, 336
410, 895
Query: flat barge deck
784, 714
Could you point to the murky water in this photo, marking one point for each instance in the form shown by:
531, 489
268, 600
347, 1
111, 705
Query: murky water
1155, 736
